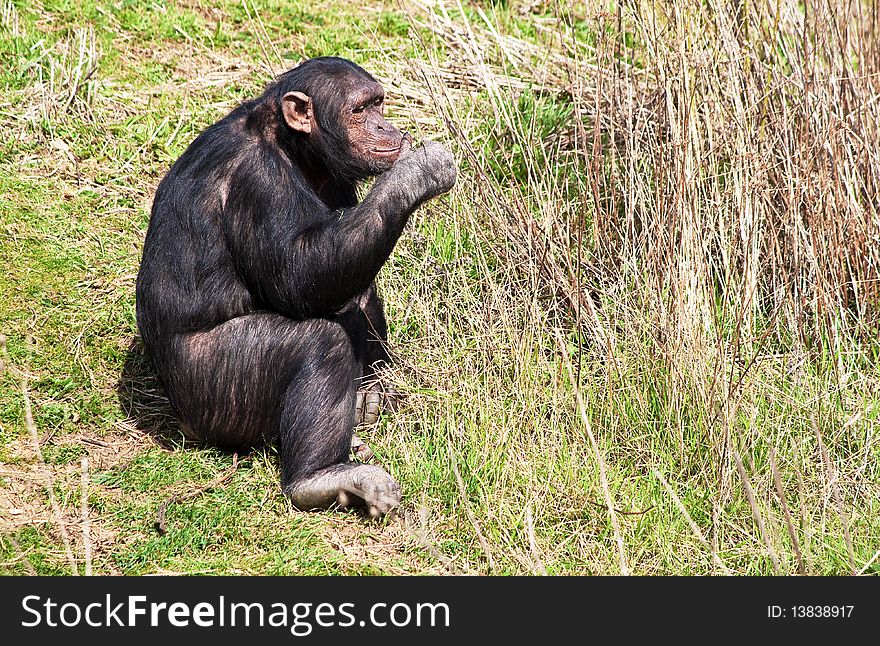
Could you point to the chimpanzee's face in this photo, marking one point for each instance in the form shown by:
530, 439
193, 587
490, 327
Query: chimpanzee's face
375, 143
341, 112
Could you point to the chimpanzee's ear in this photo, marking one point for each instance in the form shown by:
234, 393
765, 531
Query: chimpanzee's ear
297, 109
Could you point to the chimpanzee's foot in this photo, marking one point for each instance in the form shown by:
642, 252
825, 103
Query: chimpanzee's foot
374, 489
360, 451
351, 485
372, 399
367, 407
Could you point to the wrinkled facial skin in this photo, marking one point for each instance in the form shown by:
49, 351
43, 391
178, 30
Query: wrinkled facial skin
374, 142
335, 108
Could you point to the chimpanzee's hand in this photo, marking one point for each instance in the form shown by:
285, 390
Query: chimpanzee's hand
405, 146
429, 171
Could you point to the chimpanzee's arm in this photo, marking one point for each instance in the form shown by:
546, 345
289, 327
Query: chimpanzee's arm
315, 271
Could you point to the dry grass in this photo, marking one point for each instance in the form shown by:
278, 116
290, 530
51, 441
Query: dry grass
703, 229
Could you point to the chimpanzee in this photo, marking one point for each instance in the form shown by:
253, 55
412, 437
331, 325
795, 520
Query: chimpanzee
255, 297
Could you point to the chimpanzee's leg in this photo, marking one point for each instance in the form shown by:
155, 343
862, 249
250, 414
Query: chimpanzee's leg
317, 472
373, 395
377, 332
263, 377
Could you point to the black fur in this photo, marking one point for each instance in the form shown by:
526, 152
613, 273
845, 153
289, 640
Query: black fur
255, 296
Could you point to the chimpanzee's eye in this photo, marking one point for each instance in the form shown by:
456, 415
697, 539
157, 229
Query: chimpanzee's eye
359, 109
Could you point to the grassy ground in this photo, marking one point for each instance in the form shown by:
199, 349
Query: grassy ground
641, 335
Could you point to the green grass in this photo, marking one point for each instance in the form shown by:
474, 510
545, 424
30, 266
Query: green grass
589, 250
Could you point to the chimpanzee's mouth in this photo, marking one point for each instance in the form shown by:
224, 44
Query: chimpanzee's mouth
391, 152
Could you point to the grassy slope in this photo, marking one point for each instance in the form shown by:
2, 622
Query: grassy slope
494, 456
77, 185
